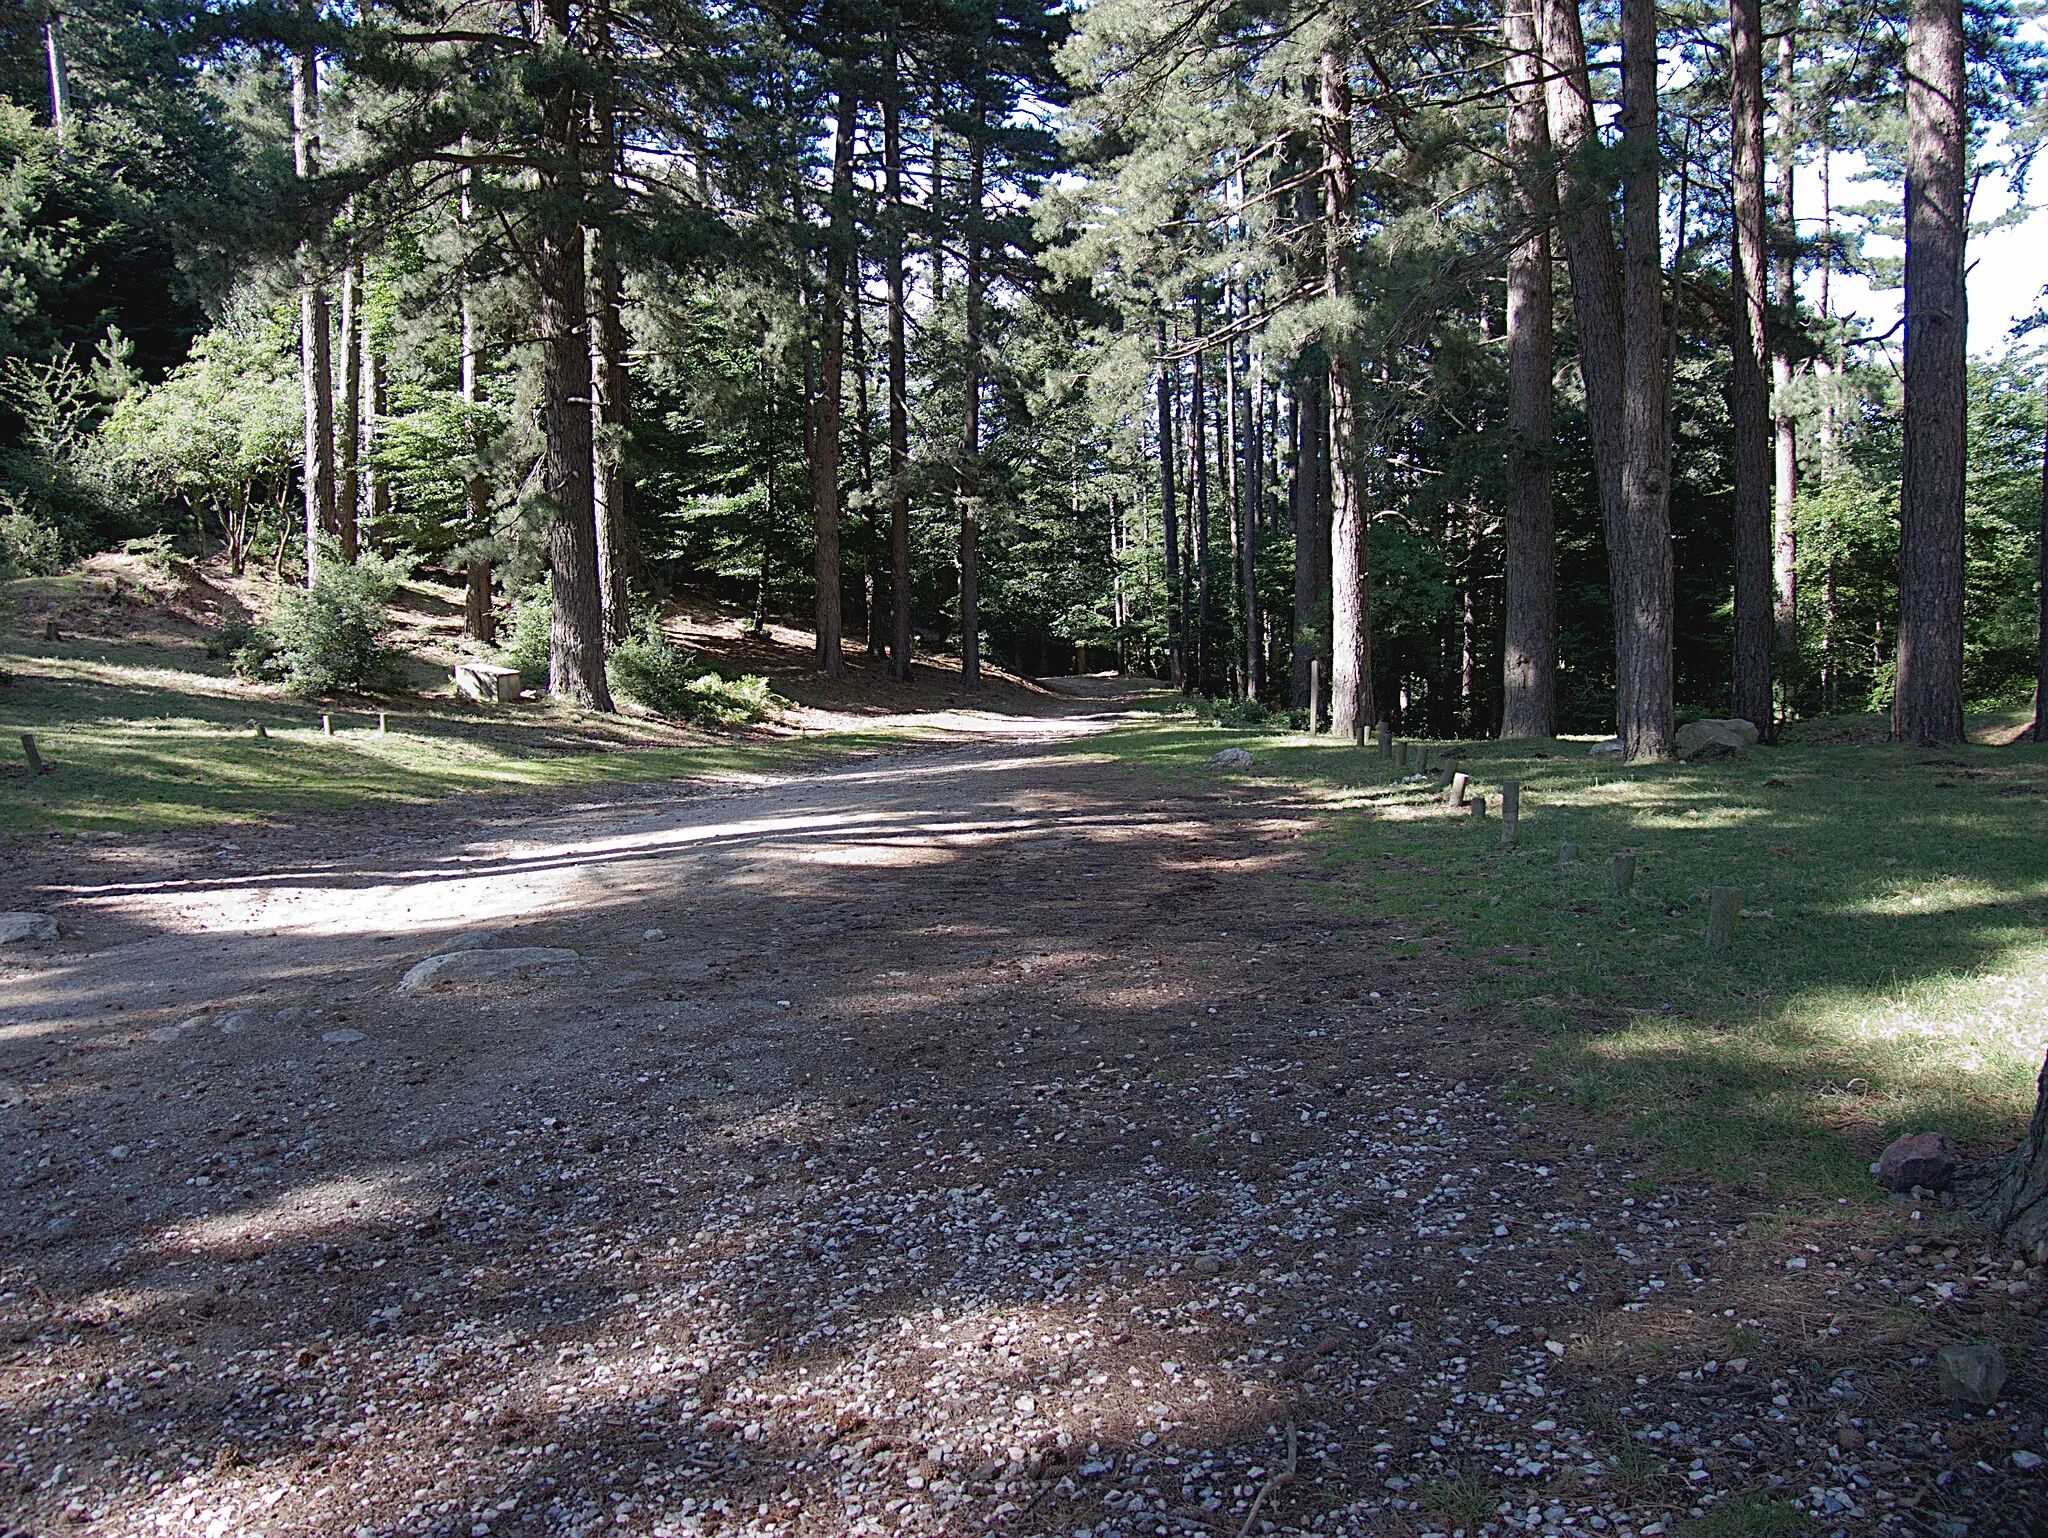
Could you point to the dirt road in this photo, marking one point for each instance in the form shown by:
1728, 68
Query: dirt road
990, 1139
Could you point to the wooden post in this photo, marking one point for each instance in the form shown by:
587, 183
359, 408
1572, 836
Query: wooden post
51, 632
1510, 811
36, 763
1567, 853
327, 726
383, 725
1385, 734
261, 734
1477, 807
1315, 695
1404, 757
1455, 796
1621, 874
1722, 906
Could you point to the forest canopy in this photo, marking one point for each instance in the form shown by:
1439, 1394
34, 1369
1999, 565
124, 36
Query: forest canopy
1479, 369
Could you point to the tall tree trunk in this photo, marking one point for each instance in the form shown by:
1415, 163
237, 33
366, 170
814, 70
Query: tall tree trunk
1642, 565
2041, 606
831, 660
610, 416
900, 644
1748, 395
1585, 218
1176, 657
2011, 1194
1786, 544
348, 496
1468, 629
1301, 520
1351, 704
375, 410
1529, 662
1248, 549
1198, 413
970, 444
60, 78
1928, 705
576, 628
316, 370
479, 621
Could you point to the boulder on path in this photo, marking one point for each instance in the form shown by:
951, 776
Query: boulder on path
1233, 758
1609, 747
1715, 739
1973, 1374
456, 967
1919, 1159
16, 927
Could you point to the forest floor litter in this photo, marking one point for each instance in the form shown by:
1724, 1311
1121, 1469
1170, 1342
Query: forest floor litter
986, 1140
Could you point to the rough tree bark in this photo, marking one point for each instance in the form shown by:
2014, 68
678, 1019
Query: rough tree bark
349, 493
316, 368
610, 416
1529, 666
1786, 494
1248, 549
1927, 706
2011, 1194
1351, 706
1198, 442
831, 659
478, 620
2041, 607
1176, 657
970, 434
899, 393
1641, 561
1749, 346
576, 628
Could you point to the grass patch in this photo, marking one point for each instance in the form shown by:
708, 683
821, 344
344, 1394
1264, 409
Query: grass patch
154, 736
1890, 968
1467, 1500
1752, 1516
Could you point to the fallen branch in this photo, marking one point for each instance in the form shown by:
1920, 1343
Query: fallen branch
1284, 1477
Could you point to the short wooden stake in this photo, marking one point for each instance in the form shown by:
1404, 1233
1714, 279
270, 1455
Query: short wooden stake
1385, 735
1315, 696
1510, 811
327, 726
1404, 756
1567, 853
1722, 906
1621, 874
1477, 806
383, 725
51, 632
1455, 796
261, 734
36, 763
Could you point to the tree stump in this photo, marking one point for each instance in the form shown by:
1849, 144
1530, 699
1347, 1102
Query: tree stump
1455, 795
36, 763
2011, 1194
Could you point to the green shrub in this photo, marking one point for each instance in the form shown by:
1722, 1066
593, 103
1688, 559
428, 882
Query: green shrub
331, 637
28, 548
1231, 711
652, 671
525, 637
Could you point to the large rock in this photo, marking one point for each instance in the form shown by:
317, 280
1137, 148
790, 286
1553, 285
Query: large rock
453, 968
1715, 739
1973, 1374
16, 927
1232, 758
1609, 747
1919, 1159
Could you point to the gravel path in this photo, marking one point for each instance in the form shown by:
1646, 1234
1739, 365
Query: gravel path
986, 1141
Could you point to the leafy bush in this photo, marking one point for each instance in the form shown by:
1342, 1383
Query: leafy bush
331, 637
1232, 712
652, 671
28, 548
525, 644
